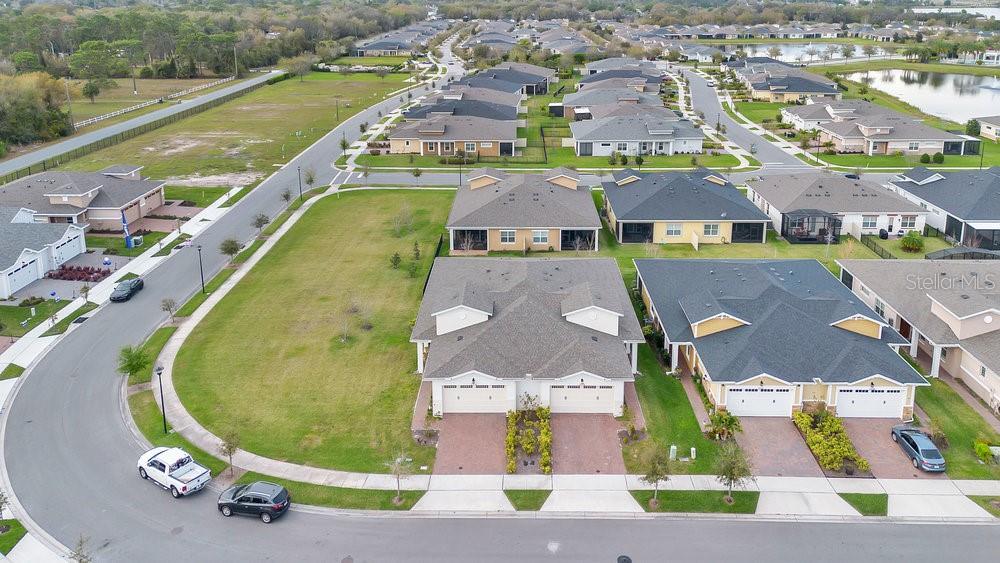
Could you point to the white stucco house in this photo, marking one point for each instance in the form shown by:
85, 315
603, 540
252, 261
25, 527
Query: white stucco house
29, 249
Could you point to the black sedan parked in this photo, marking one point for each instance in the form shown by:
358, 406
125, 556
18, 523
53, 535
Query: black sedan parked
126, 289
260, 499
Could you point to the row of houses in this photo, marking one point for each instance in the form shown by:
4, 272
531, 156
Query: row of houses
553, 35
771, 80
405, 41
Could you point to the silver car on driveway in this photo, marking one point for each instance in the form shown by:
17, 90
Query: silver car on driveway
919, 448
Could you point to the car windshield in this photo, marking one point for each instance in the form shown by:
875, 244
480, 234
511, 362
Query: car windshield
930, 454
239, 490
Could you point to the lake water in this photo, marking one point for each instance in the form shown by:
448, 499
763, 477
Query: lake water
795, 52
988, 12
957, 97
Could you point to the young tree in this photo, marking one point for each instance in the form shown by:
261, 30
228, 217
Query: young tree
363, 127
416, 251
309, 176
416, 172
395, 260
638, 161
286, 195
260, 221
732, 468
847, 51
344, 144
774, 52
132, 360
230, 247
972, 127
381, 72
300, 65
229, 446
869, 51
91, 90
169, 306
658, 468
399, 468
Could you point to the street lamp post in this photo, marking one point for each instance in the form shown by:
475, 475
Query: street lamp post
163, 408
201, 270
298, 171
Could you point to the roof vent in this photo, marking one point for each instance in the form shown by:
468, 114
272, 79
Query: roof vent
594, 338
459, 339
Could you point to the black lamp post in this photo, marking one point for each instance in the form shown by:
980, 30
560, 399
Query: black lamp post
201, 270
298, 170
163, 408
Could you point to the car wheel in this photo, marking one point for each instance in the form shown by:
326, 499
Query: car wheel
915, 463
142, 473
894, 438
174, 492
265, 517
227, 512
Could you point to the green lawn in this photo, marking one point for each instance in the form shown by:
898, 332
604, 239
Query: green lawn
200, 197
13, 535
116, 244
990, 158
868, 504
337, 497
153, 345
530, 500
147, 417
11, 371
169, 247
11, 316
669, 420
991, 504
121, 95
745, 502
962, 426
331, 402
188, 308
759, 111
372, 61
61, 326
241, 140
895, 247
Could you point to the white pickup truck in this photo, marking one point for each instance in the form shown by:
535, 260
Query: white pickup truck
174, 470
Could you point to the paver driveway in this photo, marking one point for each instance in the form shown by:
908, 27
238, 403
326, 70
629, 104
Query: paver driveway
775, 448
872, 440
471, 444
586, 444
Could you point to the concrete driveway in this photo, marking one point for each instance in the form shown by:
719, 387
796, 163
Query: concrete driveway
871, 437
585, 444
774, 447
471, 444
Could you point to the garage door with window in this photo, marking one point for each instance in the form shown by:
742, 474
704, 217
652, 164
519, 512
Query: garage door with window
582, 398
22, 275
870, 402
474, 398
759, 401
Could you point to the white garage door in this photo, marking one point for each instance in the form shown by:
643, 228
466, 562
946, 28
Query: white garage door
22, 276
586, 398
873, 402
474, 398
68, 249
759, 401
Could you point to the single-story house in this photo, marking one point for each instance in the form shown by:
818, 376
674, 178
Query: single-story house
989, 127
29, 249
447, 135
963, 204
464, 92
619, 63
531, 84
484, 81
638, 80
576, 106
771, 80
771, 337
494, 335
384, 48
947, 312
858, 206
461, 108
889, 134
548, 74
696, 207
638, 134
817, 112
94, 200
495, 210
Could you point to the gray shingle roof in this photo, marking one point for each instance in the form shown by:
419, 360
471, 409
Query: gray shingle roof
829, 192
523, 201
491, 83
466, 108
456, 128
30, 191
16, 237
642, 74
679, 196
601, 96
635, 128
527, 332
902, 128
790, 305
970, 195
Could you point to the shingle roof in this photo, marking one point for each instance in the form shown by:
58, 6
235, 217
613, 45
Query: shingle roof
634, 128
641, 74
542, 71
16, 237
790, 305
601, 96
523, 201
457, 129
679, 196
491, 83
829, 192
113, 192
992, 120
970, 195
527, 333
466, 108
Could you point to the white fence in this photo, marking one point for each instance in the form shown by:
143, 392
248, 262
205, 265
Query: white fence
148, 103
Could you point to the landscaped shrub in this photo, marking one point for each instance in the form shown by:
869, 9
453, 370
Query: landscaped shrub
912, 242
724, 425
828, 441
982, 449
938, 158
925, 158
545, 439
510, 443
31, 302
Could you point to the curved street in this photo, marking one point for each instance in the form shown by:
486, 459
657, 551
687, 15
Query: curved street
70, 459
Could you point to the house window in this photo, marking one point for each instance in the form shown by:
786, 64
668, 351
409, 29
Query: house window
447, 147
432, 146
673, 229
540, 237
869, 221
914, 146
506, 237
908, 222
880, 308
711, 230
470, 147
622, 147
486, 145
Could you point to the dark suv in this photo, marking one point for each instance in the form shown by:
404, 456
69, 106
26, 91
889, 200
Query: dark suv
126, 289
259, 499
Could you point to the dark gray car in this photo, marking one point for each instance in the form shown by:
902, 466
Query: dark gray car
260, 499
126, 289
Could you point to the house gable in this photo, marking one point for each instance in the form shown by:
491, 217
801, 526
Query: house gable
457, 318
597, 318
716, 324
861, 325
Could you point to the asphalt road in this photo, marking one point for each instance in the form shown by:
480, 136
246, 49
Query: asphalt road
71, 461
44, 153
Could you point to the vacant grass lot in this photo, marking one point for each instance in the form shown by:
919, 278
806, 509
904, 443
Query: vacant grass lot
116, 243
962, 426
199, 196
868, 504
121, 96
759, 111
669, 420
279, 336
372, 61
241, 140
11, 316
744, 502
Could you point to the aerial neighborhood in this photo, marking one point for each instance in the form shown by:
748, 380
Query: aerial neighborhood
316, 263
